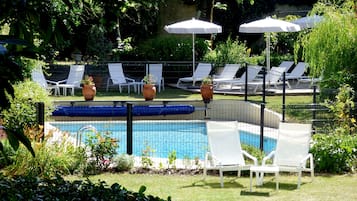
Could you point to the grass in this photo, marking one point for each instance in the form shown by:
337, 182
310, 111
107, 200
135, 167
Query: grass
178, 94
190, 187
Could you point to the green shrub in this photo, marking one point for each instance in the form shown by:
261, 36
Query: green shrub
33, 188
123, 162
334, 153
21, 115
102, 149
51, 159
253, 151
98, 46
231, 51
171, 48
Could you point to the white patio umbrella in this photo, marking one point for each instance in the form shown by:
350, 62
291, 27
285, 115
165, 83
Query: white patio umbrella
193, 27
308, 21
268, 25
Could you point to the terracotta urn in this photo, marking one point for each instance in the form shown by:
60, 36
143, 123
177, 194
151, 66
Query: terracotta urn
207, 92
89, 92
149, 91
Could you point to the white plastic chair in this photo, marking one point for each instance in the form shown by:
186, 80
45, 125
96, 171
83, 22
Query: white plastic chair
225, 151
228, 73
156, 71
252, 74
203, 70
117, 77
292, 150
287, 65
38, 77
297, 72
73, 81
272, 78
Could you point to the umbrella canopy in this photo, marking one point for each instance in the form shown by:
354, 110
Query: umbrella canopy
193, 27
308, 21
268, 25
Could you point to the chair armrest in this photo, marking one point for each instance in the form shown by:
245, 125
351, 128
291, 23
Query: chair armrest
303, 161
61, 81
51, 82
129, 79
270, 155
255, 160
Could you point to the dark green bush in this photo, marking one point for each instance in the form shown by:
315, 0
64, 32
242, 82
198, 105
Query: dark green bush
230, 51
334, 153
51, 159
171, 48
33, 188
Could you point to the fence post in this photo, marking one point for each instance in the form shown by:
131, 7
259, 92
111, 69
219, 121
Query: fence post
262, 107
264, 73
40, 111
314, 108
129, 129
284, 93
246, 83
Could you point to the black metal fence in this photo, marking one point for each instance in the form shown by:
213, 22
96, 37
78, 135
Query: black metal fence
161, 128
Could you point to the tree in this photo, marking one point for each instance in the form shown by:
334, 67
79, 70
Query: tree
330, 48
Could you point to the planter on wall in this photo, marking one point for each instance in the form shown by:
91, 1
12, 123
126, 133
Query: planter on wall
149, 91
89, 92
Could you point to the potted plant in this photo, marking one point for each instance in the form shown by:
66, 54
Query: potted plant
207, 89
77, 56
149, 89
88, 88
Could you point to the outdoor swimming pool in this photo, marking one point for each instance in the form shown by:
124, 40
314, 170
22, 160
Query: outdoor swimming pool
187, 138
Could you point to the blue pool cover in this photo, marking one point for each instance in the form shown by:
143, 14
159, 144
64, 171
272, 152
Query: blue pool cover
113, 111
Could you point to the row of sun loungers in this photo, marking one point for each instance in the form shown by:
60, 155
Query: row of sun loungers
116, 78
226, 80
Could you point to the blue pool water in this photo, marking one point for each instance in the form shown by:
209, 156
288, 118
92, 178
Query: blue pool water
187, 138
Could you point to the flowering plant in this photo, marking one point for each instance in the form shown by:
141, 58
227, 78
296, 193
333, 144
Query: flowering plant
149, 79
88, 80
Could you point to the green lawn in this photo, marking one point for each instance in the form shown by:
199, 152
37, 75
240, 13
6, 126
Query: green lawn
189, 187
178, 94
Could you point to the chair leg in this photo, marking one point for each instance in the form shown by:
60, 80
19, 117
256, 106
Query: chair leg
299, 179
221, 177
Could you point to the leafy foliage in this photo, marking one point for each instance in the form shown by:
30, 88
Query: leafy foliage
171, 48
335, 153
56, 188
102, 149
342, 108
21, 115
231, 51
123, 162
51, 159
334, 56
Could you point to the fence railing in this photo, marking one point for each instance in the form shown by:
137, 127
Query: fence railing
258, 123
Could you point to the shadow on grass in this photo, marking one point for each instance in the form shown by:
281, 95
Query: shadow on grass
232, 183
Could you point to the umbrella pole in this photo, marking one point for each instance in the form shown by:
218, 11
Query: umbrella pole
193, 53
268, 51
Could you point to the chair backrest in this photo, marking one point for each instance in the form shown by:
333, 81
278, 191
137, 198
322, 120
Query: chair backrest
75, 75
287, 65
252, 73
38, 77
298, 70
229, 71
202, 70
274, 75
116, 73
293, 144
224, 142
156, 71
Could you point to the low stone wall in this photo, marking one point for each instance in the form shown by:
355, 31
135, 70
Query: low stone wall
216, 110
